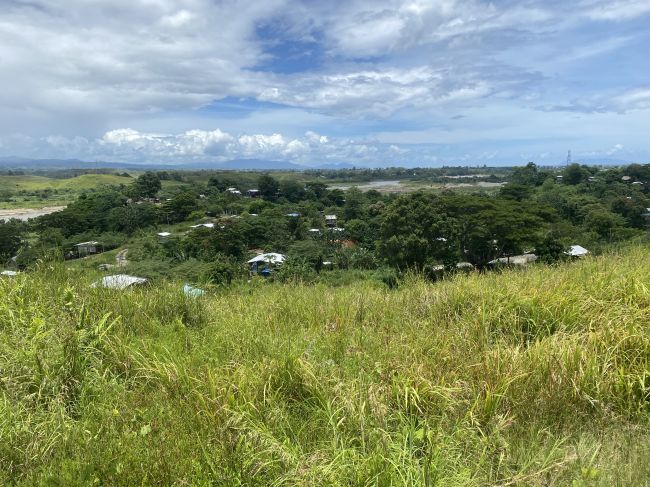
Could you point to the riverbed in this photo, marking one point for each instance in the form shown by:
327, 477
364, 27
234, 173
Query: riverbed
25, 214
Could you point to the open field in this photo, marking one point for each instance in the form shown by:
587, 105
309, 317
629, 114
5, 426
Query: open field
83, 182
534, 377
30, 192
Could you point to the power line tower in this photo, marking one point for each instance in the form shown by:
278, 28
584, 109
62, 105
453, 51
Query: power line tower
568, 159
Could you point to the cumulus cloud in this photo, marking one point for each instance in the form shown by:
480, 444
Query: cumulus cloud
196, 145
85, 69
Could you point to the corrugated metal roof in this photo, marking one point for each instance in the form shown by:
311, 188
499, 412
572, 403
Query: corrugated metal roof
271, 257
119, 281
577, 251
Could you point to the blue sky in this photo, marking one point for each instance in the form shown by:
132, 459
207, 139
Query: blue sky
383, 82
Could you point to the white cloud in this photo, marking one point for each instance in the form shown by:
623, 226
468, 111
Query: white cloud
394, 69
627, 101
179, 19
128, 145
620, 10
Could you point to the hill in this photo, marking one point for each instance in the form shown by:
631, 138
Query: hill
83, 182
534, 377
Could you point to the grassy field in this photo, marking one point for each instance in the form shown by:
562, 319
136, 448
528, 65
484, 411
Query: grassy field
535, 377
83, 182
31, 191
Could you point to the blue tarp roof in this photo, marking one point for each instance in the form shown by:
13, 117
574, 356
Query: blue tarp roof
194, 292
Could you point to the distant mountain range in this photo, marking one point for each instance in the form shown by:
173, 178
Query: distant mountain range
235, 164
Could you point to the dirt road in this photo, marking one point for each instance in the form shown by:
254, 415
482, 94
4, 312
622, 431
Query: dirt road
120, 258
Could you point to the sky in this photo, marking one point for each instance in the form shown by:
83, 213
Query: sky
365, 82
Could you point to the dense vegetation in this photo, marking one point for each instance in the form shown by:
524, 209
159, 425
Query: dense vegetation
538, 210
527, 377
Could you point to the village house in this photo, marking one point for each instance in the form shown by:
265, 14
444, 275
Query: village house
264, 263
87, 248
253, 193
330, 220
514, 260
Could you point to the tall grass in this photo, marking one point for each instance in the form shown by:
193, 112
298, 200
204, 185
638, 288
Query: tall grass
534, 377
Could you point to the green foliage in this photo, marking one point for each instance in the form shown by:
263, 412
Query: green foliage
146, 185
414, 232
91, 211
132, 217
519, 378
222, 271
292, 190
516, 192
295, 270
575, 174
309, 251
180, 207
528, 175
550, 250
268, 187
10, 239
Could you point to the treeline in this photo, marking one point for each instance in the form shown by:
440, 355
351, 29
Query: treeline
541, 211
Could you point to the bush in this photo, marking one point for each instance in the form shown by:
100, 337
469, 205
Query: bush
389, 277
295, 270
222, 271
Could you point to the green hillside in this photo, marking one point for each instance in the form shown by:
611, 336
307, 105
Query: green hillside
83, 182
534, 377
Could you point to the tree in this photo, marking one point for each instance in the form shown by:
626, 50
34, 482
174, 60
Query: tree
353, 208
221, 271
575, 174
309, 251
527, 175
415, 230
603, 221
268, 187
147, 185
516, 192
550, 250
182, 205
292, 190
10, 239
130, 218
316, 189
220, 184
89, 212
